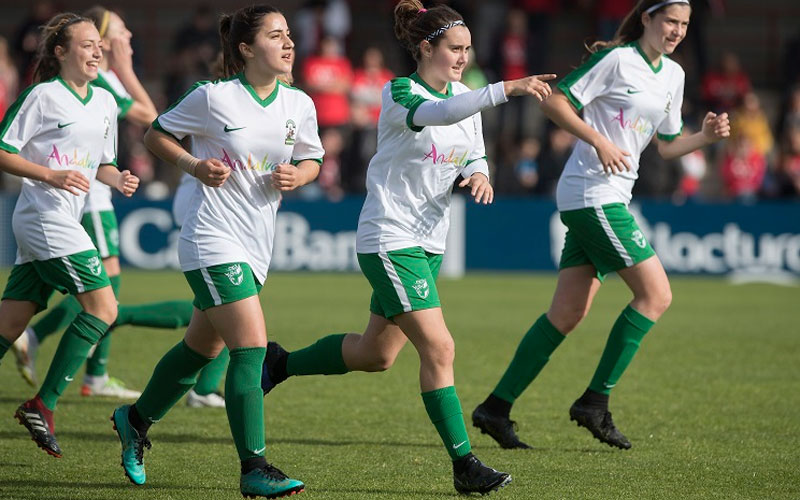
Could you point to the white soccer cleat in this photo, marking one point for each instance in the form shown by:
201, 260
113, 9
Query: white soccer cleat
213, 400
108, 387
25, 348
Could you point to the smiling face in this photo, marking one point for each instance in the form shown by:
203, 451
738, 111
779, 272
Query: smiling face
81, 56
665, 29
448, 57
272, 50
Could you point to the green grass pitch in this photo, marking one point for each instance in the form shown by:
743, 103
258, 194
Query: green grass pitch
711, 402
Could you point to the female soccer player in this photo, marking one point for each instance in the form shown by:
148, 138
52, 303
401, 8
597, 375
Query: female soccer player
59, 135
429, 132
252, 137
628, 91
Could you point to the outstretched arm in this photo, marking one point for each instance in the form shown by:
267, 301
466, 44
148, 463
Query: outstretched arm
715, 128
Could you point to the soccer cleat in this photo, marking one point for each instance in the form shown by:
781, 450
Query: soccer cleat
25, 348
212, 400
268, 482
470, 475
499, 428
599, 423
108, 387
38, 419
271, 372
133, 445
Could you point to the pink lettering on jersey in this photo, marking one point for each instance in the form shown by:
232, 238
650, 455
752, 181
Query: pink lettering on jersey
74, 160
639, 125
438, 158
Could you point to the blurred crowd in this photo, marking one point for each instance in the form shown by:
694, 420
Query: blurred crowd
512, 39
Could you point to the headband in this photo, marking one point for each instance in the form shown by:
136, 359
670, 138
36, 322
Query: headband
443, 29
104, 23
664, 4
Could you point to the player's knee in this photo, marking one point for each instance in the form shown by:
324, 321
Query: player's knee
443, 352
107, 313
381, 362
566, 320
12, 325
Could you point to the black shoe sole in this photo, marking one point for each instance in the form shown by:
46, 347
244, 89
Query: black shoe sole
502, 484
24, 422
294, 491
581, 423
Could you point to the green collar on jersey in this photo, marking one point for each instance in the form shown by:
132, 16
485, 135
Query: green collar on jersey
414, 76
647, 60
83, 100
263, 102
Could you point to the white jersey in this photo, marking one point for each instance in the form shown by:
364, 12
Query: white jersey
99, 198
50, 125
410, 178
227, 120
628, 101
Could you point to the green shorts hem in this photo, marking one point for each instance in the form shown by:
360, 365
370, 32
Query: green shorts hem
222, 284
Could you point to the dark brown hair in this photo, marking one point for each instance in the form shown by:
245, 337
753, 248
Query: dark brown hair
412, 23
57, 32
631, 28
240, 27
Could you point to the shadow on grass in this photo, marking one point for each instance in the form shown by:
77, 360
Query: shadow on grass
342, 492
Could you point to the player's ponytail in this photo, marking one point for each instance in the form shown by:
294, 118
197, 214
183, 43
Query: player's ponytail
631, 28
413, 24
237, 28
57, 32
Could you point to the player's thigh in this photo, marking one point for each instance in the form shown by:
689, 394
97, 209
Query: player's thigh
240, 323
575, 291
202, 337
428, 333
15, 316
648, 281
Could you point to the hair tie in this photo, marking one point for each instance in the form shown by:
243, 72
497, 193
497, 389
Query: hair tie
441, 30
104, 23
664, 4
422, 11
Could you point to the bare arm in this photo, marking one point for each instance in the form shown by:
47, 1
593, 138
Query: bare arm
143, 111
211, 172
125, 182
715, 128
288, 177
70, 180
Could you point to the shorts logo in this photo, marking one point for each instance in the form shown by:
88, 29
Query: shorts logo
235, 274
291, 131
95, 267
422, 288
638, 238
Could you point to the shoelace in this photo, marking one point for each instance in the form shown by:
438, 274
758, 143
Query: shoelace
608, 424
139, 444
274, 472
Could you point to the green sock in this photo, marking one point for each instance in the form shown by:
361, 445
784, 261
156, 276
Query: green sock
5, 345
532, 354
80, 336
244, 401
173, 376
623, 342
171, 314
212, 374
323, 357
444, 410
96, 364
57, 318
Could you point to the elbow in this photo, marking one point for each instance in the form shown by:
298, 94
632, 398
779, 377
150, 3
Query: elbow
149, 138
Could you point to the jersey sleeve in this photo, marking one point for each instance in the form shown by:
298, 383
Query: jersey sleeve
22, 122
308, 145
124, 101
399, 104
188, 115
593, 78
477, 159
459, 107
672, 126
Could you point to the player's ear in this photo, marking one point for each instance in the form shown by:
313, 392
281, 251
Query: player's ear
245, 50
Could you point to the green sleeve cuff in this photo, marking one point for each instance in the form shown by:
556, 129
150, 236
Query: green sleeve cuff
476, 159
9, 148
410, 116
124, 106
670, 137
157, 126
562, 86
295, 161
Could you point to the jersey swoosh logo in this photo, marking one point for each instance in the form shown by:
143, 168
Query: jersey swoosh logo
228, 129
459, 445
631, 91
62, 125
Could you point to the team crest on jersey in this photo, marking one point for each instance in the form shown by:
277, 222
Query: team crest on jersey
107, 124
291, 131
639, 239
235, 274
95, 267
422, 288
668, 108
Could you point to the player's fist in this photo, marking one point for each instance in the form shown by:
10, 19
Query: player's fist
212, 172
716, 127
286, 177
127, 183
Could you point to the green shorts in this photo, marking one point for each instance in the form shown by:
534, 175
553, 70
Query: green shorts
36, 281
605, 237
402, 280
222, 284
104, 232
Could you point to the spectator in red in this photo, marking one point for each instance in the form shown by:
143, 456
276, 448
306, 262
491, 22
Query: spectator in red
328, 78
9, 78
368, 82
788, 173
742, 169
724, 89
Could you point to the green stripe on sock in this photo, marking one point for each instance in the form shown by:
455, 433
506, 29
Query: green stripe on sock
211, 376
323, 357
623, 342
244, 401
444, 410
173, 376
532, 354
80, 336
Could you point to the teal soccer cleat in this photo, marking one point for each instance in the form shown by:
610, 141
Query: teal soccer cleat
268, 482
132, 445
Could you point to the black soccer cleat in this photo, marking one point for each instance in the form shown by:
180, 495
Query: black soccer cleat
273, 371
31, 415
600, 424
470, 475
499, 428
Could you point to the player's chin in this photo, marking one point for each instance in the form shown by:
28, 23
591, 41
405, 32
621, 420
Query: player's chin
455, 74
